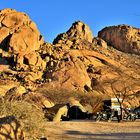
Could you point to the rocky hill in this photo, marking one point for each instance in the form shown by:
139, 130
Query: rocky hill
75, 61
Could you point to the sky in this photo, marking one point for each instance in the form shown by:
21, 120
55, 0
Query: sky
53, 17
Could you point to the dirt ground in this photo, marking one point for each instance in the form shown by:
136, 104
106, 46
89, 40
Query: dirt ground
91, 130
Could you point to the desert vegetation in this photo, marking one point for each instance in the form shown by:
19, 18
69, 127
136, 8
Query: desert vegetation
30, 117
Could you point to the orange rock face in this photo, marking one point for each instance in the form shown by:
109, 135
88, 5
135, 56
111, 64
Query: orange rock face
4, 32
19, 35
72, 73
22, 40
78, 32
123, 37
76, 61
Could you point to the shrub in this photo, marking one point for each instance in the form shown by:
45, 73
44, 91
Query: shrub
94, 99
31, 118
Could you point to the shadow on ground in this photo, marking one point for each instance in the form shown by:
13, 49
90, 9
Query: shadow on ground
77, 135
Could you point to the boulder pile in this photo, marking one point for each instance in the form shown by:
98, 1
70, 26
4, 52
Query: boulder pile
20, 40
75, 61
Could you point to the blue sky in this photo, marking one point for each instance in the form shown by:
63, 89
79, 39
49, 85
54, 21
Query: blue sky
56, 16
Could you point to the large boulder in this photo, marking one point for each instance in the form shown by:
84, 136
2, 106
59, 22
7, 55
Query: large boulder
24, 41
19, 37
123, 37
34, 59
13, 19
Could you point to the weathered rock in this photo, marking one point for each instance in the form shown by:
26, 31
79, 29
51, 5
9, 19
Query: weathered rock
99, 42
47, 103
34, 59
14, 19
79, 32
71, 74
19, 36
4, 32
24, 41
6, 85
123, 37
7, 10
75, 61
72, 71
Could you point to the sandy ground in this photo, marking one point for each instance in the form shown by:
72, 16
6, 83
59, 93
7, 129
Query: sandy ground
91, 130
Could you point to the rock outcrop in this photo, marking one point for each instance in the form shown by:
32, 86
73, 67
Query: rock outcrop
78, 34
76, 61
20, 39
71, 73
123, 37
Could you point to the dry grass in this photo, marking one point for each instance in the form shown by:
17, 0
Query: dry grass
31, 118
93, 99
